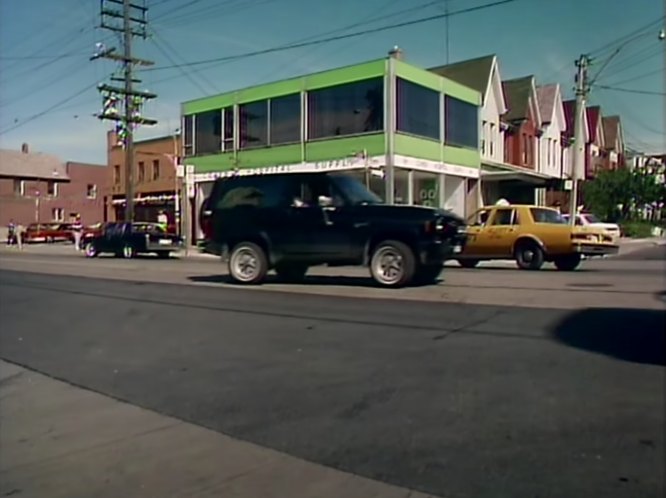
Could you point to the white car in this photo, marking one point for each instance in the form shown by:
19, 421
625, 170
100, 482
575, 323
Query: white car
590, 220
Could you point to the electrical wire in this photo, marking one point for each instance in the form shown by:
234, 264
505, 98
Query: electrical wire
639, 77
630, 90
335, 38
637, 33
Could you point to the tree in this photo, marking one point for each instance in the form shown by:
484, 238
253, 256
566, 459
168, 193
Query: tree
618, 195
610, 194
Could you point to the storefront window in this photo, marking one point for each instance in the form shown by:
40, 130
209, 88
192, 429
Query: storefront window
228, 138
426, 189
348, 109
253, 124
401, 186
461, 123
285, 119
208, 132
417, 110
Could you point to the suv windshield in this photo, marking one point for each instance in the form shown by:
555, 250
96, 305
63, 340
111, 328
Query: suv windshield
354, 190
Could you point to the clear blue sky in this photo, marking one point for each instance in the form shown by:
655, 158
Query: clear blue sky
45, 46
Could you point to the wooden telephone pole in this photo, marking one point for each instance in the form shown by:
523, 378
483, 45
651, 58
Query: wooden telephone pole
130, 21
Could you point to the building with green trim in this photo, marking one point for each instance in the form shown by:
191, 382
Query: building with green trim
410, 134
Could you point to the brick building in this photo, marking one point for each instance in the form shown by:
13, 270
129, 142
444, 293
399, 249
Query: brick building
154, 175
36, 187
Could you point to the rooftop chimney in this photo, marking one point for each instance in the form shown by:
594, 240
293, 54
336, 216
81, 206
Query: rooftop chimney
24, 148
396, 53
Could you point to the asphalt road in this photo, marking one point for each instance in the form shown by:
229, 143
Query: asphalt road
452, 399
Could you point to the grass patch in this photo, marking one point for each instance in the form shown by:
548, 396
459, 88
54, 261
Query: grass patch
637, 229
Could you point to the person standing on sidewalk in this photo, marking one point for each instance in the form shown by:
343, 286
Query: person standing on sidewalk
18, 235
77, 230
11, 232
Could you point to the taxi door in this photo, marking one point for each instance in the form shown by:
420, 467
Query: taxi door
501, 233
476, 244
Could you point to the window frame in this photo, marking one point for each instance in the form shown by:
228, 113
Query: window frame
437, 105
448, 99
271, 101
20, 191
242, 137
91, 187
512, 221
156, 170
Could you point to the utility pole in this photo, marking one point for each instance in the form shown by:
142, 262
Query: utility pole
133, 17
579, 134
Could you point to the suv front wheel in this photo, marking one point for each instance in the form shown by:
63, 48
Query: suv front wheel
248, 263
392, 264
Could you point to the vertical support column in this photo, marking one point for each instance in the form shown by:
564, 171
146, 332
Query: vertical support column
304, 124
389, 125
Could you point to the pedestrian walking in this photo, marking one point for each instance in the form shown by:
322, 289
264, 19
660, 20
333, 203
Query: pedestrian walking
11, 232
77, 230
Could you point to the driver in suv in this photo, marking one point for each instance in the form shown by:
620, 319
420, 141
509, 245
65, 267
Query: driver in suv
290, 222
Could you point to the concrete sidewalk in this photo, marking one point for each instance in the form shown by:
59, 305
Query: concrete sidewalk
58, 440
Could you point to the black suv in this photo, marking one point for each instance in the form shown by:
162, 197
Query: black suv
292, 221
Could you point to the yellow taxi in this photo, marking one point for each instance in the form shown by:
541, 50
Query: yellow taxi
531, 235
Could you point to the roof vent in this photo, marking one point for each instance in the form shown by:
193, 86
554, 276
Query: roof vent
396, 53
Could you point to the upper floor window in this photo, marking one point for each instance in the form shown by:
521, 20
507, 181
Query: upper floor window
52, 189
461, 123
58, 214
417, 110
285, 119
188, 135
253, 121
91, 191
228, 128
156, 169
142, 172
492, 139
208, 132
348, 109
116, 174
19, 187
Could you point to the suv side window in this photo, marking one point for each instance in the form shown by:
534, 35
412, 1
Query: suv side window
311, 188
504, 217
256, 191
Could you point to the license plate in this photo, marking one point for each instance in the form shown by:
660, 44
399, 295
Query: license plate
457, 249
165, 242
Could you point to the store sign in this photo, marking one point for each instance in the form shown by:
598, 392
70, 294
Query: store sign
436, 167
314, 167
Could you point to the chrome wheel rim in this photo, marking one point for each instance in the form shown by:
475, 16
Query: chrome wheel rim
528, 255
90, 250
128, 252
244, 264
388, 266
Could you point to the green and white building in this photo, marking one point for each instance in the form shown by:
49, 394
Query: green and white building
410, 134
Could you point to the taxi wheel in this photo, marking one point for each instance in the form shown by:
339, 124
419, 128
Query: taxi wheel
529, 256
568, 263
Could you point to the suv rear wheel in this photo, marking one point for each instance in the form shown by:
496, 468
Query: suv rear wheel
248, 263
392, 264
291, 272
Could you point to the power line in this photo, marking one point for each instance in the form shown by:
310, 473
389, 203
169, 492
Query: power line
630, 90
48, 109
639, 77
637, 33
339, 37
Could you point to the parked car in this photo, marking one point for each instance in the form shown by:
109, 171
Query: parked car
47, 232
531, 235
129, 239
589, 220
290, 222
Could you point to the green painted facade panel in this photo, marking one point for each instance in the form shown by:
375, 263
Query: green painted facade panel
407, 145
461, 156
347, 74
253, 158
339, 148
294, 85
418, 76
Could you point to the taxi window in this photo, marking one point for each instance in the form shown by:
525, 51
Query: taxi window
504, 217
541, 215
479, 218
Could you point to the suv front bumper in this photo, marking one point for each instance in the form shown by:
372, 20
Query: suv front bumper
438, 251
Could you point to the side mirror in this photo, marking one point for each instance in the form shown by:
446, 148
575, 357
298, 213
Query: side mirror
325, 201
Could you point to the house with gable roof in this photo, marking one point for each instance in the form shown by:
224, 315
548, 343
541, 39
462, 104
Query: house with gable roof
613, 154
501, 177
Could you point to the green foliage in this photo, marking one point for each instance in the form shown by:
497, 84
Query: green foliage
617, 195
637, 229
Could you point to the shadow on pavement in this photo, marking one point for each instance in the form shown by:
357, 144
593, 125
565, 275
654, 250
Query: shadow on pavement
323, 280
633, 335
